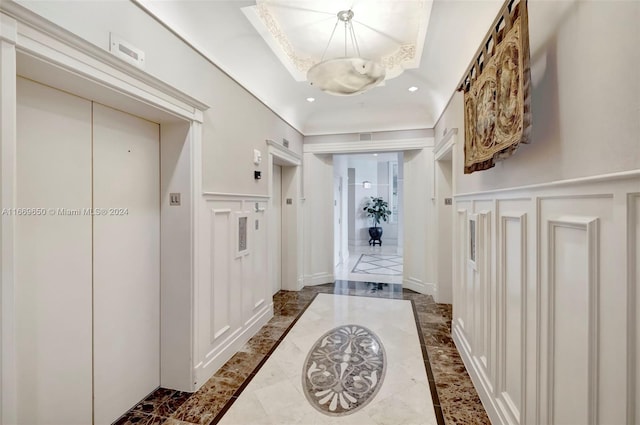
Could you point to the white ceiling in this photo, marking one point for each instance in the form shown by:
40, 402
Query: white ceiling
222, 31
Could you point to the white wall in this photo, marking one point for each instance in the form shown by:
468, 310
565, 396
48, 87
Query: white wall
228, 139
585, 102
554, 287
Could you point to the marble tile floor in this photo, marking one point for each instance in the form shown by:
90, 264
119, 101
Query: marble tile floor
388, 265
454, 397
345, 270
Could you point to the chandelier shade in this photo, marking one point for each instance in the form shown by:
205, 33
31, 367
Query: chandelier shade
346, 76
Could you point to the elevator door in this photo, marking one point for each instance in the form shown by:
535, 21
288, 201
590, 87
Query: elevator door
53, 257
87, 258
126, 261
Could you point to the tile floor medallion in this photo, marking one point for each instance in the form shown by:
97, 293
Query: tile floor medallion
453, 396
389, 265
277, 395
344, 370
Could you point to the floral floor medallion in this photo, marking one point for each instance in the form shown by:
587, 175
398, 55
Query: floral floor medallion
344, 370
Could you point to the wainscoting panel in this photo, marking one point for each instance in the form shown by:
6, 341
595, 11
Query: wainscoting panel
545, 300
232, 299
220, 301
512, 310
570, 247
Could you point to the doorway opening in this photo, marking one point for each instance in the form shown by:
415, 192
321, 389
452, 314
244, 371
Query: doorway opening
357, 179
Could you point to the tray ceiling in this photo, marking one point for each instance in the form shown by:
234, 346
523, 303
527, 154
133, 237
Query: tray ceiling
431, 44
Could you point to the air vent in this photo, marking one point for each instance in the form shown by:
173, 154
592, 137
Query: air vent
285, 143
126, 51
365, 137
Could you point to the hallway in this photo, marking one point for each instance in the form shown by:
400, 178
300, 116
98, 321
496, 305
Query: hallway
453, 396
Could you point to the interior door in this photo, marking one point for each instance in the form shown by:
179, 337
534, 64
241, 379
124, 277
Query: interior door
126, 254
53, 256
276, 225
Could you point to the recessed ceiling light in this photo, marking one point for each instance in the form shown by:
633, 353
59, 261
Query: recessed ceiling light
311, 99
375, 154
412, 89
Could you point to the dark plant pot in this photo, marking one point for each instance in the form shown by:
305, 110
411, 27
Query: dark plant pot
375, 233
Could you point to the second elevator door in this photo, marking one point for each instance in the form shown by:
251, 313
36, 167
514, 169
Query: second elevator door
126, 261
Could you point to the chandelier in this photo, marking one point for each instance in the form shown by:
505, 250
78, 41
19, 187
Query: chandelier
347, 75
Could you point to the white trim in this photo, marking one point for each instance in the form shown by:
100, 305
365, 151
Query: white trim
419, 286
624, 175
369, 146
35, 29
446, 144
318, 279
590, 226
8, 138
484, 392
503, 398
284, 154
633, 199
217, 357
232, 196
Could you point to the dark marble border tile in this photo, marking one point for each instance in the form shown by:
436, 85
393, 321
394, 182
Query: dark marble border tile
427, 365
246, 382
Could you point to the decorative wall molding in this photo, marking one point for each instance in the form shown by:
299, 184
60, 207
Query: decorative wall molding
590, 226
445, 144
232, 302
505, 401
633, 304
625, 175
484, 307
563, 347
221, 196
369, 146
283, 153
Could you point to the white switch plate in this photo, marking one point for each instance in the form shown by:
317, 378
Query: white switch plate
257, 157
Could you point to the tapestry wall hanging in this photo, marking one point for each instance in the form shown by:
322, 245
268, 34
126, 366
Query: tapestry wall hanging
496, 86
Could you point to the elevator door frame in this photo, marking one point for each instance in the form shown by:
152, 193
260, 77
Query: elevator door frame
34, 48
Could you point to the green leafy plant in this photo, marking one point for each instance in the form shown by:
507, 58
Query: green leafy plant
377, 209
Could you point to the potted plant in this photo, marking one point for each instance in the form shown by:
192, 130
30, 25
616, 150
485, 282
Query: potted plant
377, 209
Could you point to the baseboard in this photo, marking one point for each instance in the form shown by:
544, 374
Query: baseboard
489, 403
205, 371
419, 286
318, 279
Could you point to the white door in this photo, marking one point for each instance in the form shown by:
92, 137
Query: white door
275, 245
337, 221
53, 256
126, 253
